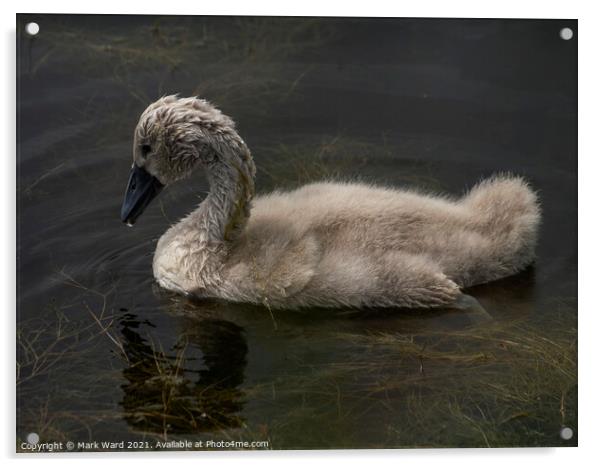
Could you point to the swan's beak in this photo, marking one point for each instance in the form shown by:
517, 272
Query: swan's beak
142, 188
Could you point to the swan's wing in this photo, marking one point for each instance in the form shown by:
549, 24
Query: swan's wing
295, 267
272, 272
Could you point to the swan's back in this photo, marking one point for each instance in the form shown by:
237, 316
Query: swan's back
487, 234
326, 206
352, 216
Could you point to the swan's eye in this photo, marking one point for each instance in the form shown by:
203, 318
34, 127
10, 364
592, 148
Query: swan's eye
145, 149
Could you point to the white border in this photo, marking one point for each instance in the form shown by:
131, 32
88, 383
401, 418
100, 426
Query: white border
590, 308
383, 8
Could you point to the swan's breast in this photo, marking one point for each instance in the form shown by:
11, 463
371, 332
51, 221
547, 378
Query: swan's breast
170, 264
185, 264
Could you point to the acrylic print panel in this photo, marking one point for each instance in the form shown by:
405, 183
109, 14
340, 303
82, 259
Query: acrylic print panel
339, 316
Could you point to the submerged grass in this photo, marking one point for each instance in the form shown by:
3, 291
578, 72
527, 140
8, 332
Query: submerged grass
493, 385
286, 165
237, 63
500, 383
57, 394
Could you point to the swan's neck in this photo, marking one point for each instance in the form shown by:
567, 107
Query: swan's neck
224, 213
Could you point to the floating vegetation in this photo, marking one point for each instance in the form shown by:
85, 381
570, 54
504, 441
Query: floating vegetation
235, 62
340, 157
492, 385
498, 383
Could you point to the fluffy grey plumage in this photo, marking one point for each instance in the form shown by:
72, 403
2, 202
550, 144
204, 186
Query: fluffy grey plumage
324, 244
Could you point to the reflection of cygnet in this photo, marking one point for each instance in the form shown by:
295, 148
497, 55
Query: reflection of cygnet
324, 244
192, 387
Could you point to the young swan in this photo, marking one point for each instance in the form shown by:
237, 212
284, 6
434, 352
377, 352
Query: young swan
325, 244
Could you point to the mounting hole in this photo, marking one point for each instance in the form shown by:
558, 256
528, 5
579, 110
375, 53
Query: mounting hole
32, 28
566, 433
566, 34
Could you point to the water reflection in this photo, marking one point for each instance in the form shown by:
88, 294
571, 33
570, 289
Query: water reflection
193, 386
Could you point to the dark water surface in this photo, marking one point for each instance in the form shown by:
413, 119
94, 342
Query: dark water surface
104, 355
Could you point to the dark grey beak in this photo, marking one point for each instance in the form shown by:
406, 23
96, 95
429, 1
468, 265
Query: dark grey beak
142, 188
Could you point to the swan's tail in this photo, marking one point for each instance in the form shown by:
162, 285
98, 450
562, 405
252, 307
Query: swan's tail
507, 214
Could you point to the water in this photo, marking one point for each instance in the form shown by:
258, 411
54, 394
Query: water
104, 355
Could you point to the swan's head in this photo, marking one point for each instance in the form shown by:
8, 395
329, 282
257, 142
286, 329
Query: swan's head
172, 138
